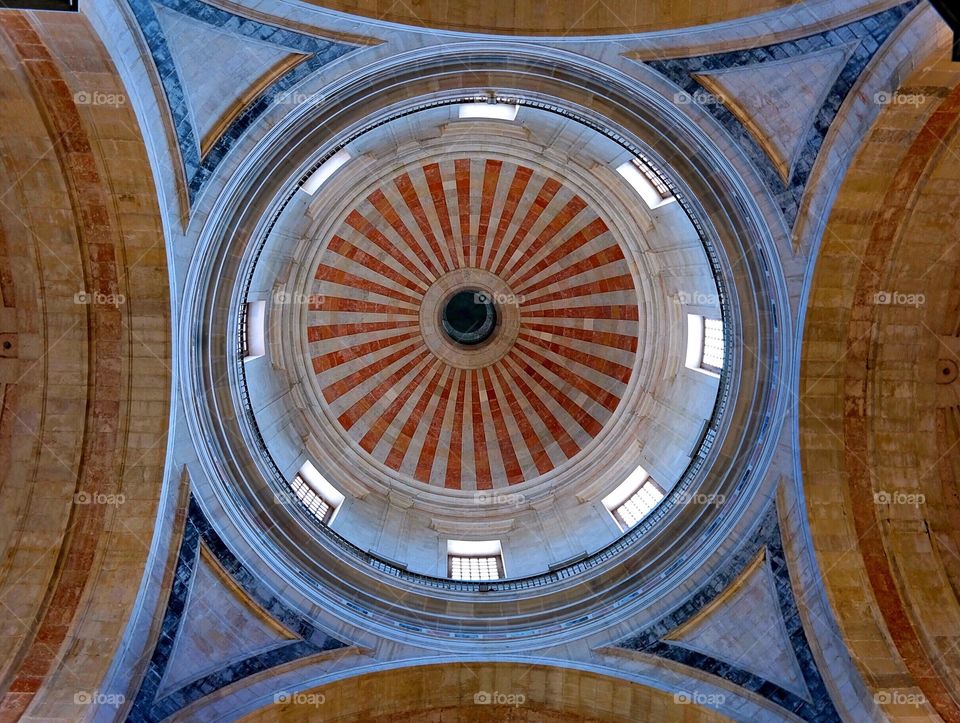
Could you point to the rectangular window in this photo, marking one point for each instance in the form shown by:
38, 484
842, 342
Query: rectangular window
633, 498
318, 506
712, 357
491, 111
645, 182
704, 344
638, 505
654, 179
474, 560
321, 498
253, 333
475, 568
325, 171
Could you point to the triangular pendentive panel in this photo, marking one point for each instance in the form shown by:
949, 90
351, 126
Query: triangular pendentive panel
758, 642
859, 40
743, 626
220, 625
206, 125
778, 101
210, 60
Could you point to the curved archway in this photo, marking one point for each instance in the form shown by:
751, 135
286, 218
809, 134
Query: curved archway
85, 350
484, 692
569, 18
878, 413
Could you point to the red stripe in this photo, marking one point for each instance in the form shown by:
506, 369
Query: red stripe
481, 460
623, 282
439, 196
566, 443
530, 438
335, 303
410, 197
586, 420
383, 421
601, 395
609, 255
511, 465
389, 213
334, 391
491, 177
597, 363
322, 332
453, 474
362, 226
563, 217
428, 450
610, 339
612, 312
521, 178
402, 443
345, 278
360, 407
332, 359
461, 168
547, 191
361, 257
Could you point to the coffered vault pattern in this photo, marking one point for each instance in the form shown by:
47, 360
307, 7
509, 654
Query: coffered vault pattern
534, 246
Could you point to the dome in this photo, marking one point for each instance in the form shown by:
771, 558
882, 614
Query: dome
366, 361
463, 357
526, 229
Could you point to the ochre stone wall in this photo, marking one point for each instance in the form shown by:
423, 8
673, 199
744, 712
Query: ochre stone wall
878, 433
505, 692
84, 362
562, 17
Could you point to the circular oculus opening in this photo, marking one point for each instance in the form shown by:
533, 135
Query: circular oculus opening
469, 317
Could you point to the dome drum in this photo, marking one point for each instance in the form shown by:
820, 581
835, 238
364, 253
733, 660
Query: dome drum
359, 575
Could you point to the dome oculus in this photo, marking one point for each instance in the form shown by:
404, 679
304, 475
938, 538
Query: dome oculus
469, 317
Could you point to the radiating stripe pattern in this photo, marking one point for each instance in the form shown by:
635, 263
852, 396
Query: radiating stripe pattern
524, 414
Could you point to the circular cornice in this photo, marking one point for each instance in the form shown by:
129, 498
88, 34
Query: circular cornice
659, 552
